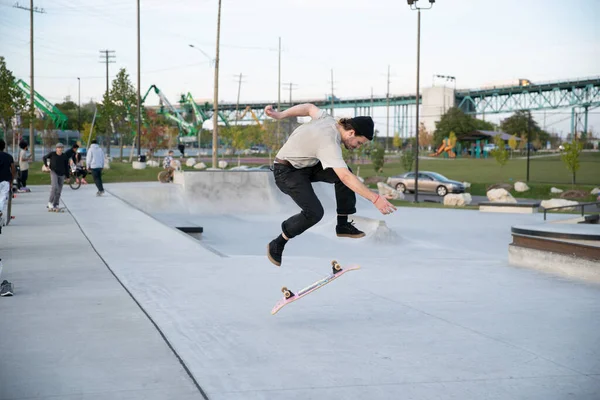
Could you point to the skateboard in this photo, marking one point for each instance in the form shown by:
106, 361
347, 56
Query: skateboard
57, 210
290, 297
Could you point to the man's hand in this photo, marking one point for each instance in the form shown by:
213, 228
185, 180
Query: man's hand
272, 113
384, 206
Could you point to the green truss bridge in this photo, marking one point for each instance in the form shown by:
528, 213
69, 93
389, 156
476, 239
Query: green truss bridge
580, 95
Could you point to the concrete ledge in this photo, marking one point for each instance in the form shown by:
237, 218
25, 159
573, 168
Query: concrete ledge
516, 208
555, 263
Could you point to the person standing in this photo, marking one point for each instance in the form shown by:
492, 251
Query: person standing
7, 174
59, 171
24, 158
95, 163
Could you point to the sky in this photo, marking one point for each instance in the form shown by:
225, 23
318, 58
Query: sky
478, 42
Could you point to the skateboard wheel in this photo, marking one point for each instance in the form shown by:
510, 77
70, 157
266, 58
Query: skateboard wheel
286, 292
336, 266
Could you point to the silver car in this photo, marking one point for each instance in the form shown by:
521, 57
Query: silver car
428, 182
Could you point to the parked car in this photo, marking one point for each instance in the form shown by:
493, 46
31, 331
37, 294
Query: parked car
428, 182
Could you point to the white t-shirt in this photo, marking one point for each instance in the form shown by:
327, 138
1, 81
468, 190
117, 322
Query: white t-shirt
314, 141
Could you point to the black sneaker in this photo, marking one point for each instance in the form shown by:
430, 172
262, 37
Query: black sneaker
348, 230
6, 288
274, 252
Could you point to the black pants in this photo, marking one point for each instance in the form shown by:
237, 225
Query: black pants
97, 175
297, 183
23, 177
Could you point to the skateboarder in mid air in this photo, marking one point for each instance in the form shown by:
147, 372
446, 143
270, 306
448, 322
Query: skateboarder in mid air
313, 154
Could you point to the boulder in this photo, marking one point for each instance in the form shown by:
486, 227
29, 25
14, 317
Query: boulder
506, 186
222, 164
595, 191
106, 162
574, 194
500, 196
200, 165
559, 203
374, 179
556, 190
457, 200
467, 185
190, 162
153, 163
521, 187
389, 192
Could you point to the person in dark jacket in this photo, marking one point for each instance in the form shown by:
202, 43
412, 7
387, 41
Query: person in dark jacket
58, 162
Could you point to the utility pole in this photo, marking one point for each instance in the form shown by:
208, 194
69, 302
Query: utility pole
31, 10
278, 91
332, 96
387, 131
237, 104
528, 141
108, 59
79, 105
216, 95
289, 119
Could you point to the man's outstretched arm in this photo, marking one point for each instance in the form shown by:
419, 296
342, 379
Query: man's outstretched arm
299, 110
350, 180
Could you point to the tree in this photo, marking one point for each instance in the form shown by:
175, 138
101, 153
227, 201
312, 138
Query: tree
377, 156
455, 121
571, 156
425, 138
407, 159
155, 135
519, 123
118, 110
12, 100
85, 133
512, 143
397, 142
500, 153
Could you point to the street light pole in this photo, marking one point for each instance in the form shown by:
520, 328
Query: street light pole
413, 6
139, 97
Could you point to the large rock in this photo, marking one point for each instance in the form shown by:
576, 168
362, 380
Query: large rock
595, 191
389, 192
506, 186
574, 194
500, 196
190, 162
153, 163
106, 162
222, 164
559, 203
556, 190
467, 185
200, 165
458, 200
521, 187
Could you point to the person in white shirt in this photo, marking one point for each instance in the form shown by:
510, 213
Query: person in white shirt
313, 154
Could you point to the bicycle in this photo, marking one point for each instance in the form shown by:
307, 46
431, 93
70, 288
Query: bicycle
77, 177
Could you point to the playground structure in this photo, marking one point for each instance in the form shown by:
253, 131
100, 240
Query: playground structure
446, 148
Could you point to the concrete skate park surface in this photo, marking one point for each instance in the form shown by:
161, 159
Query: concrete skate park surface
436, 311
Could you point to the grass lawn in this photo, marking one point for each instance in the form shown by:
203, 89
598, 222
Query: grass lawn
118, 172
545, 172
